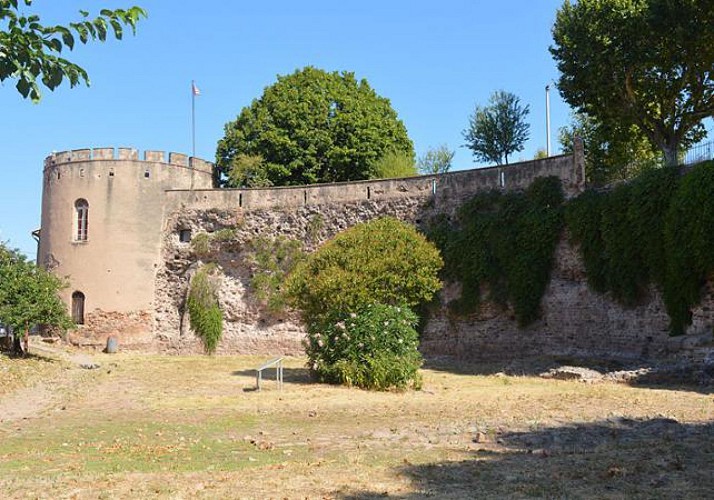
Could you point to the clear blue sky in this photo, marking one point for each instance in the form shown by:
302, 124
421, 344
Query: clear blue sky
434, 60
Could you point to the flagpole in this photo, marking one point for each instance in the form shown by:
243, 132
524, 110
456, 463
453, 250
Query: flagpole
193, 118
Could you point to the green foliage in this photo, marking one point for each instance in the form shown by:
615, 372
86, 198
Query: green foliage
395, 164
612, 152
689, 244
498, 129
374, 348
656, 230
311, 126
620, 234
436, 160
30, 51
29, 294
644, 63
248, 171
203, 308
504, 243
382, 261
201, 244
272, 260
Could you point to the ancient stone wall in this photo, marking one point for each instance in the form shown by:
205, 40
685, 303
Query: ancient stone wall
575, 322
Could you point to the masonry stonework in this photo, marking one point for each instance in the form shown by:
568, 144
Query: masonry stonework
135, 269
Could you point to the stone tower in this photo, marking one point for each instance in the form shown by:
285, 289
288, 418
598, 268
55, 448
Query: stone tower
102, 218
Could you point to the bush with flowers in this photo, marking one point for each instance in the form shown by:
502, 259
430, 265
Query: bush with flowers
373, 348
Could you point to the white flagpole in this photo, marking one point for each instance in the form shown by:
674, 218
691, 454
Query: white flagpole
193, 118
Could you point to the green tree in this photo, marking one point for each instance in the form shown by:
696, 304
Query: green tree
29, 294
498, 129
384, 261
613, 152
313, 126
30, 52
644, 63
393, 165
436, 160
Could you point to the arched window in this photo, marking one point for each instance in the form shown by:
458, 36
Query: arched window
81, 219
78, 308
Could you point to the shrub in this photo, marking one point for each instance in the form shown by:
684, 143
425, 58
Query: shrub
203, 309
383, 261
374, 348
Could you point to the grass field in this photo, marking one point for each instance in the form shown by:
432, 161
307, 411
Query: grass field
193, 427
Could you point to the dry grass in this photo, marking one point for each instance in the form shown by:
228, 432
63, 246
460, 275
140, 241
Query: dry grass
180, 427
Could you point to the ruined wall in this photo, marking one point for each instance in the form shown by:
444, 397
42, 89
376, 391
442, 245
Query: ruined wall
575, 321
115, 266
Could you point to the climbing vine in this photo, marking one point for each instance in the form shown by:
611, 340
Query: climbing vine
656, 230
203, 309
503, 243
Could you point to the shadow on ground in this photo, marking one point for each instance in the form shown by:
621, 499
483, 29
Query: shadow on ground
290, 375
683, 377
617, 458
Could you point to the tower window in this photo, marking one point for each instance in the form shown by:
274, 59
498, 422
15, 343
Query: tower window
78, 308
185, 235
81, 216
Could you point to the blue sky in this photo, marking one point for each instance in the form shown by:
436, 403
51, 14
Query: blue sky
434, 60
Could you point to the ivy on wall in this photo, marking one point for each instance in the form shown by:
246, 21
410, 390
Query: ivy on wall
503, 243
657, 230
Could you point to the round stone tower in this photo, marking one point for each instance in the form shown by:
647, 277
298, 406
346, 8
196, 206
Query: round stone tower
102, 218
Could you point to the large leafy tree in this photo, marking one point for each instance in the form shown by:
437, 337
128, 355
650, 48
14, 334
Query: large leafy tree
310, 126
498, 129
29, 294
612, 152
647, 63
31, 52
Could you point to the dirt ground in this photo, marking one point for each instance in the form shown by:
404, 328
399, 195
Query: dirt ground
194, 427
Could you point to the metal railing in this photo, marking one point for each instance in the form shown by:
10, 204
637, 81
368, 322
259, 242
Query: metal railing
698, 153
278, 364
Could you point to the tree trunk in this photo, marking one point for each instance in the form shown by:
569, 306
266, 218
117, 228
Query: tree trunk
670, 154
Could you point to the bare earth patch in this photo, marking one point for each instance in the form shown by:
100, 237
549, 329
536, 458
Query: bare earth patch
193, 427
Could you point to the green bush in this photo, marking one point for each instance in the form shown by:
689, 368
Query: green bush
503, 243
204, 312
382, 261
374, 348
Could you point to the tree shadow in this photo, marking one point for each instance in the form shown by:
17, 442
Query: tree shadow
616, 458
636, 373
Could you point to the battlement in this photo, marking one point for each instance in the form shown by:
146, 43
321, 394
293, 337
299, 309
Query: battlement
127, 154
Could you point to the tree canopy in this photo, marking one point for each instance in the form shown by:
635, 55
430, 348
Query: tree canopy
498, 129
30, 52
28, 294
310, 126
644, 63
612, 152
436, 160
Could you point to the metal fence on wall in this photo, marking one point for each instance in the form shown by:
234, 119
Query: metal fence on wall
700, 152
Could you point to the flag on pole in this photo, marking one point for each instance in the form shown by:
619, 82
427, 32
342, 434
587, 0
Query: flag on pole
194, 89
